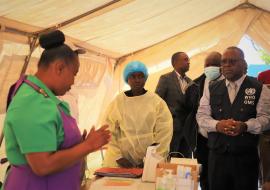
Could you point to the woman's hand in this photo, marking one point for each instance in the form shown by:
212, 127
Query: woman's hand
266, 186
98, 138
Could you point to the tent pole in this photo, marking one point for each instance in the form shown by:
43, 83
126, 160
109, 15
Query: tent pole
72, 20
32, 47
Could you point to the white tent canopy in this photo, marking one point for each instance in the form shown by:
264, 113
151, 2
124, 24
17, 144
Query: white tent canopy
116, 32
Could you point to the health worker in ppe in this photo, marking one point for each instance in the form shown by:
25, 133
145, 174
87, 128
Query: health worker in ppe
137, 119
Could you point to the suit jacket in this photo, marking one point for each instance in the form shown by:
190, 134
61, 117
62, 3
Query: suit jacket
191, 126
200, 82
169, 90
193, 96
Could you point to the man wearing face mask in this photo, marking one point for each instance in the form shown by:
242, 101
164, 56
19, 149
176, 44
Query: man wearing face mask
193, 95
211, 71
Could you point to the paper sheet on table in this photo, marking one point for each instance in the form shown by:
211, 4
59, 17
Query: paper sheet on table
109, 183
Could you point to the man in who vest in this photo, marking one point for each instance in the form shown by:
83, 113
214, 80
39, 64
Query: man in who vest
234, 111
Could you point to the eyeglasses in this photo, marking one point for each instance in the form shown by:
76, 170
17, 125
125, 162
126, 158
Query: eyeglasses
230, 61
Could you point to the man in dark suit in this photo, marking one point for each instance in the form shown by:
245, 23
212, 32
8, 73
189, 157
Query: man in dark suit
171, 88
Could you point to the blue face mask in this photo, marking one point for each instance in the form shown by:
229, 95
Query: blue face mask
212, 72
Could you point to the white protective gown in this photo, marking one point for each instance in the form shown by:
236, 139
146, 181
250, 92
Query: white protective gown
137, 122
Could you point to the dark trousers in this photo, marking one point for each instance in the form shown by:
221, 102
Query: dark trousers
202, 157
179, 144
264, 146
229, 171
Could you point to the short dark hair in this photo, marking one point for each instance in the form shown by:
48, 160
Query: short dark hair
237, 49
174, 56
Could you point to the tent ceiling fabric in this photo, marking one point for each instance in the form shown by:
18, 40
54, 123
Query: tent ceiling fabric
139, 24
46, 13
134, 26
263, 4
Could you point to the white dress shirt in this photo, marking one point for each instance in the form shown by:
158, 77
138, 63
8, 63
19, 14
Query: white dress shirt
182, 82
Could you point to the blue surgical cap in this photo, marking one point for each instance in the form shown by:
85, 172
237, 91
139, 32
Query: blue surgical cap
133, 67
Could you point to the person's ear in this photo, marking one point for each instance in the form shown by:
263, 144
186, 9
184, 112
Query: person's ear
245, 66
59, 66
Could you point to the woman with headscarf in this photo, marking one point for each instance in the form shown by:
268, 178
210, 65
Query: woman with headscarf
137, 119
